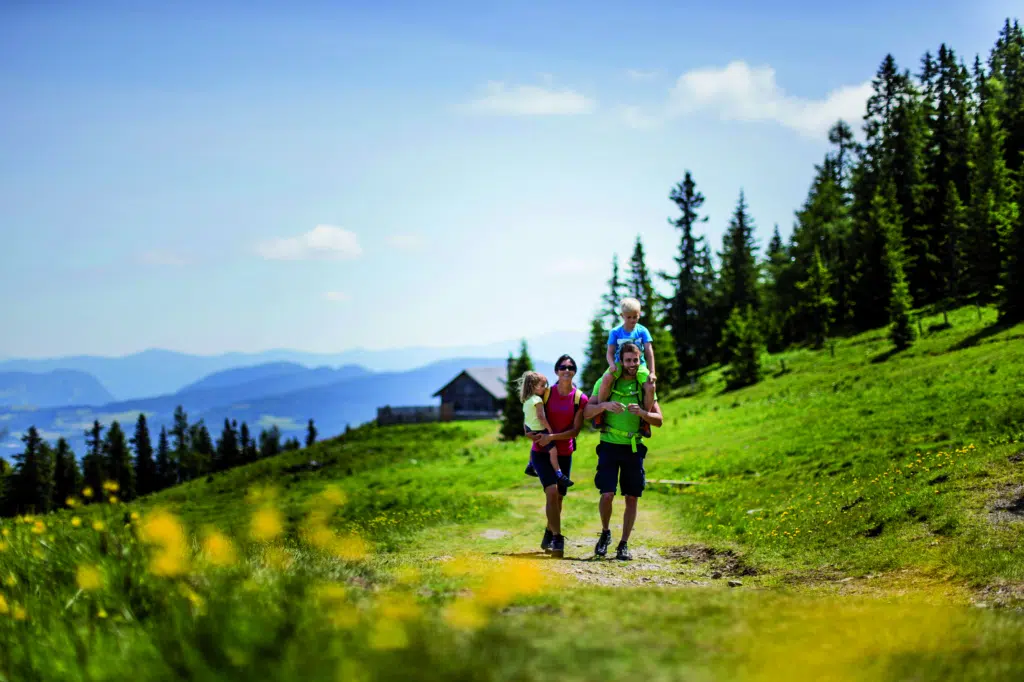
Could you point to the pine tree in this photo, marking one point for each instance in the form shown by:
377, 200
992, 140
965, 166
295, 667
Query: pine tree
292, 444
270, 442
247, 445
180, 453
597, 347
202, 451
119, 462
687, 295
67, 479
94, 470
1006, 62
227, 451
738, 280
310, 434
165, 471
816, 301
614, 295
710, 322
145, 466
512, 415
778, 293
30, 487
745, 348
886, 216
993, 208
1011, 304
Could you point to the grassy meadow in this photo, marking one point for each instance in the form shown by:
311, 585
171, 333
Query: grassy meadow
857, 515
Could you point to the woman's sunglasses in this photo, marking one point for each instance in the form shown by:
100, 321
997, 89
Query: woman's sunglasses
562, 368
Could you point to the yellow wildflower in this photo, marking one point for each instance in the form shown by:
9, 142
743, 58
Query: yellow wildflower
266, 524
75, 521
135, 516
19, 613
98, 525
87, 492
464, 614
113, 499
4, 608
218, 549
11, 580
71, 502
89, 578
39, 528
110, 486
164, 530
102, 613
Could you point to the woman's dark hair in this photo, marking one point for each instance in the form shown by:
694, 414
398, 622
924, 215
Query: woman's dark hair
568, 357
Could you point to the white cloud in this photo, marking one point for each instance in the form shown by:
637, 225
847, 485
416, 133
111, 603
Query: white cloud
530, 100
634, 117
161, 257
336, 296
404, 241
322, 242
739, 92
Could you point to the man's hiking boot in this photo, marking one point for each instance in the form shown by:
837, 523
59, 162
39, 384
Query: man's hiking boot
530, 471
545, 544
558, 546
623, 552
602, 543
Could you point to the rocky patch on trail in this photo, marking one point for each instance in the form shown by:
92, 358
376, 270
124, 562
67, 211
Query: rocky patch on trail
1001, 596
1019, 457
1008, 507
723, 563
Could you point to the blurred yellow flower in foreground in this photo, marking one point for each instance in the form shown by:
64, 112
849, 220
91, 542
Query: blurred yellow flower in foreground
4, 608
266, 524
465, 614
89, 578
218, 549
388, 634
163, 529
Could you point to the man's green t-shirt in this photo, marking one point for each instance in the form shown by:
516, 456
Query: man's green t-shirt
624, 392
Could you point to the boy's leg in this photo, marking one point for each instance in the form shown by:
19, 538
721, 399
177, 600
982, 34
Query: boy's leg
605, 391
648, 387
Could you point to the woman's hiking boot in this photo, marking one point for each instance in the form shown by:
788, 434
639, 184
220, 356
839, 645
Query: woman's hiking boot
545, 544
558, 546
622, 552
602, 543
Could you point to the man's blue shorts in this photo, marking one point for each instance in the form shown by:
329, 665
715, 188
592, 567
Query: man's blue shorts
546, 472
618, 464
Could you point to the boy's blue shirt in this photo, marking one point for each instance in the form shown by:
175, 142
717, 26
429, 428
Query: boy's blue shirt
640, 336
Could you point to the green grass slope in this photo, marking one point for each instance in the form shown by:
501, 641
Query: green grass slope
848, 513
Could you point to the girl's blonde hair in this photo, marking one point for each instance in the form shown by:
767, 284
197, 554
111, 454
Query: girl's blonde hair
528, 383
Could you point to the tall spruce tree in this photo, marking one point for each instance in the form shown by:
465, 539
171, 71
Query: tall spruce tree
1011, 304
886, 216
614, 295
993, 208
512, 414
310, 433
816, 301
166, 475
270, 442
597, 347
94, 465
227, 454
640, 285
1006, 62
745, 347
145, 465
687, 296
247, 445
738, 279
67, 479
31, 484
119, 461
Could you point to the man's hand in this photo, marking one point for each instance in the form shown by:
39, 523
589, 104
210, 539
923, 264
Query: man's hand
613, 406
635, 409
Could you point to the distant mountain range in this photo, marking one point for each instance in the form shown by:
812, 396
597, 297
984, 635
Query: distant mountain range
51, 389
162, 372
285, 394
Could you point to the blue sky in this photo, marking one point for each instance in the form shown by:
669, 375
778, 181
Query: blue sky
241, 176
